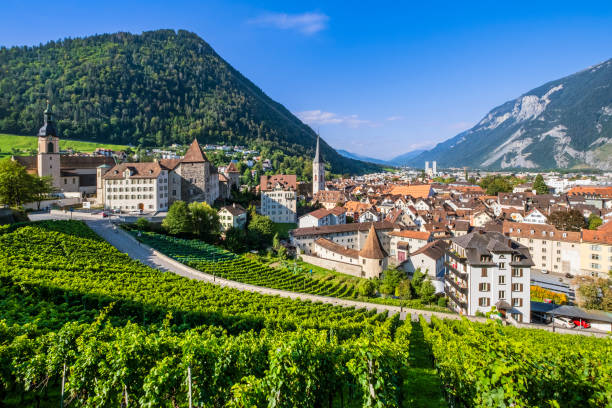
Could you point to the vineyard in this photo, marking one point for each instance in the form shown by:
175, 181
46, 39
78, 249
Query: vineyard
216, 261
76, 311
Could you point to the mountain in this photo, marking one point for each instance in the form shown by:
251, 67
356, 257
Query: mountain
153, 89
356, 156
562, 124
404, 159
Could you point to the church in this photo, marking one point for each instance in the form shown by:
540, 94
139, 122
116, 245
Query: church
72, 175
146, 186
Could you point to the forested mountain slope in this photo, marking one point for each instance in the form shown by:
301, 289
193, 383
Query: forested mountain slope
152, 89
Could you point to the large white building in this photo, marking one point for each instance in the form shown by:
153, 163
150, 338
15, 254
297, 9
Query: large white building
279, 198
154, 186
486, 269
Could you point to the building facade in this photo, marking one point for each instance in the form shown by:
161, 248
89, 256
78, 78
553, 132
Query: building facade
486, 269
279, 198
232, 216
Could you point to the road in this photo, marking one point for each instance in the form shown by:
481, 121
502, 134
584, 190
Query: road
125, 243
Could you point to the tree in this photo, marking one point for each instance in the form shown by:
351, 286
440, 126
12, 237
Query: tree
41, 188
417, 279
539, 185
15, 183
391, 279
571, 220
235, 240
366, 288
261, 230
142, 224
205, 221
275, 242
427, 291
594, 293
594, 221
404, 290
178, 221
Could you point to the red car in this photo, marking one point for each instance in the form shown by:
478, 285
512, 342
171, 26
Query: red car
581, 323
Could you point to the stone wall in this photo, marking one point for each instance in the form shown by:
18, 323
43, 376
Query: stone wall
354, 270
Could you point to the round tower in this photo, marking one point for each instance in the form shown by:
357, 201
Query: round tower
372, 257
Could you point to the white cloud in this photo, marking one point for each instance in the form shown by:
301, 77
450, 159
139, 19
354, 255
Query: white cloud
305, 23
319, 117
392, 118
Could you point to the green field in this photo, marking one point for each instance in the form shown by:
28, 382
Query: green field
24, 144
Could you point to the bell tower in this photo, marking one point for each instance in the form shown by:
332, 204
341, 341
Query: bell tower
48, 149
318, 172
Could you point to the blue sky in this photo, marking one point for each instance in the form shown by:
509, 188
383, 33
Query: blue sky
378, 79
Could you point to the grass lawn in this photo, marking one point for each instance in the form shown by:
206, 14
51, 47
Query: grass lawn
282, 229
26, 143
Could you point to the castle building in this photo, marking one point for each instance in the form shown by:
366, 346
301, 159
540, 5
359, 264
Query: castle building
318, 172
155, 186
71, 175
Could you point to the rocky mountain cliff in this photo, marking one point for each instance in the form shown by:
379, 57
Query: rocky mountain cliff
562, 124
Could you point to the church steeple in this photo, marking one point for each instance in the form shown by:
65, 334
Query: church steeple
316, 158
318, 171
48, 128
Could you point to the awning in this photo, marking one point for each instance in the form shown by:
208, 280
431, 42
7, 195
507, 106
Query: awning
503, 305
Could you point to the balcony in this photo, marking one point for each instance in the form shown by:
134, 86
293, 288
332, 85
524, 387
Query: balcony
455, 271
459, 287
462, 304
456, 256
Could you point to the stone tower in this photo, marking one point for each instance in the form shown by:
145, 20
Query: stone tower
372, 257
48, 149
318, 172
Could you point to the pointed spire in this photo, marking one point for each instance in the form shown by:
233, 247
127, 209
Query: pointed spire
194, 154
372, 248
316, 158
48, 129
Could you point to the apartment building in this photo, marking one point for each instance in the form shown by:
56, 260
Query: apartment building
551, 250
596, 251
404, 242
279, 198
486, 269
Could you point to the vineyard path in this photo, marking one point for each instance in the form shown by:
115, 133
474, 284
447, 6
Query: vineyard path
129, 245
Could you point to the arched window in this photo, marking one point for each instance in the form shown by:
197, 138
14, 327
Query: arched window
50, 147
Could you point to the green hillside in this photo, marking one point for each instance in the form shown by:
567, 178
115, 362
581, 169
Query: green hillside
153, 89
24, 145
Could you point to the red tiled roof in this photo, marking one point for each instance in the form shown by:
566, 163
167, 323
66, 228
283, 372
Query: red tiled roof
287, 181
423, 235
194, 154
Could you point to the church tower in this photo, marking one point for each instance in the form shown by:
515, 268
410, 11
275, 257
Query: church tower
48, 149
318, 172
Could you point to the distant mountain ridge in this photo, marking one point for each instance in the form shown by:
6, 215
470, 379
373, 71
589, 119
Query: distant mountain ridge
356, 156
400, 160
562, 124
152, 89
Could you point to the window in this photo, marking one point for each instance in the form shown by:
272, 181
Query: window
502, 279
517, 287
595, 266
502, 294
517, 302
517, 316
501, 265
543, 257
543, 249
483, 287
595, 248
558, 251
595, 257
517, 272
484, 273
484, 302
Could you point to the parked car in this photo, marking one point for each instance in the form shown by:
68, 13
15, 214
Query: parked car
564, 322
581, 323
104, 214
